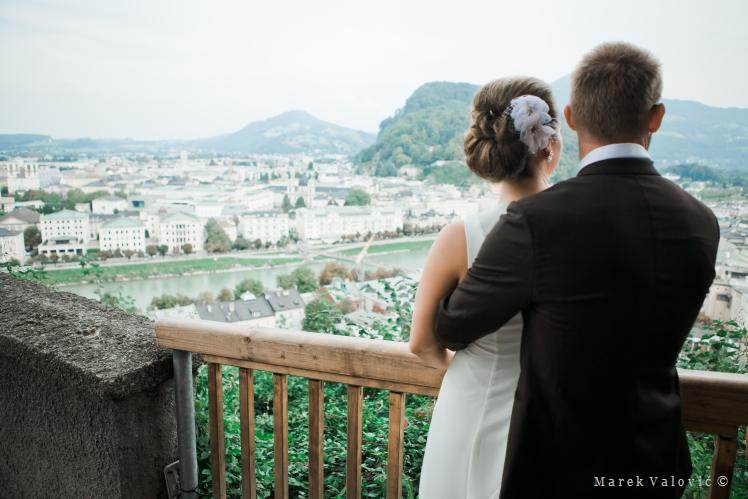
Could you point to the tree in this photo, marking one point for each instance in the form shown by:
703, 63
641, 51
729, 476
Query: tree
117, 253
248, 285
187, 248
257, 244
300, 203
286, 204
240, 244
151, 249
54, 257
357, 197
331, 271
162, 249
304, 279
216, 240
285, 281
32, 237
225, 295
321, 316
205, 298
128, 253
170, 301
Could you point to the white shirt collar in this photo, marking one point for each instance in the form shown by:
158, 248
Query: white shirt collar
611, 151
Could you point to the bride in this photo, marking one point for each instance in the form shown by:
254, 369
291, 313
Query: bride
514, 143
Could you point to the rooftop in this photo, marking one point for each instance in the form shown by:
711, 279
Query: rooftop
286, 299
23, 214
178, 216
122, 223
235, 311
65, 215
8, 233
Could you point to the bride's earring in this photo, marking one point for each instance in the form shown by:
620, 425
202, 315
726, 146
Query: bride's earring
550, 156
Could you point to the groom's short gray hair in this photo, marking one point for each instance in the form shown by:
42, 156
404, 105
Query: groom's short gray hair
613, 88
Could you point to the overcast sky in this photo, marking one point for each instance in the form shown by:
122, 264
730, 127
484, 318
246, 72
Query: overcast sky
186, 69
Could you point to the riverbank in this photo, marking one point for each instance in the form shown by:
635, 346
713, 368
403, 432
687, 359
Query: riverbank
133, 270
149, 270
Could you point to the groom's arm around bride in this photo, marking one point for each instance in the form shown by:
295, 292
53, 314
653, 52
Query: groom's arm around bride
609, 270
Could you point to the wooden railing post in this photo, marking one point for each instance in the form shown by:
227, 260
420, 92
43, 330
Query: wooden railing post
247, 423
353, 444
217, 452
395, 435
713, 402
316, 439
280, 434
723, 464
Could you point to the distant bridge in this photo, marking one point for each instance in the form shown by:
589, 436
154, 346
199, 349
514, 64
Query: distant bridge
359, 260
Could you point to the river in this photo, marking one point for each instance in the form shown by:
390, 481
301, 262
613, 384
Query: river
143, 291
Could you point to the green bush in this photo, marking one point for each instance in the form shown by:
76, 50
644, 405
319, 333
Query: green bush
720, 347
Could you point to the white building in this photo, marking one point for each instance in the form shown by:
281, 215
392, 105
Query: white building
21, 176
123, 234
331, 223
178, 229
229, 227
109, 205
724, 302
264, 225
258, 199
11, 246
62, 245
7, 204
19, 219
208, 209
65, 223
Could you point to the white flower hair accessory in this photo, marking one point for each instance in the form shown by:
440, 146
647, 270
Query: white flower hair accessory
531, 119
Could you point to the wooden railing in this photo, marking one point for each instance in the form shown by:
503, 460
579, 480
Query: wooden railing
715, 403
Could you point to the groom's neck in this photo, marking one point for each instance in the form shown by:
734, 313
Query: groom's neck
589, 144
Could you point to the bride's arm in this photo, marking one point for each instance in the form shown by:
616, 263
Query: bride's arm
445, 265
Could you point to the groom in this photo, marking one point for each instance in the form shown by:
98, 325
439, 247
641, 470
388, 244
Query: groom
609, 270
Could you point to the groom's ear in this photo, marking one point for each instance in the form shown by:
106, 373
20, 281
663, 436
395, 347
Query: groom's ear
569, 118
656, 115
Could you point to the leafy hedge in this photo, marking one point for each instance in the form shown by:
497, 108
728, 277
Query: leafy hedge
721, 347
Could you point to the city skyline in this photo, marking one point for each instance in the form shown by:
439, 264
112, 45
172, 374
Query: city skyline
168, 71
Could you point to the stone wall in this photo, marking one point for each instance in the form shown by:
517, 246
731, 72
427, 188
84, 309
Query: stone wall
86, 398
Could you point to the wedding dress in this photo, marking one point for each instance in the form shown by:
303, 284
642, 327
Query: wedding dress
464, 456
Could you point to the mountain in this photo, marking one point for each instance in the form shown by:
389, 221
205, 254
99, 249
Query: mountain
290, 132
691, 132
428, 128
431, 125
9, 141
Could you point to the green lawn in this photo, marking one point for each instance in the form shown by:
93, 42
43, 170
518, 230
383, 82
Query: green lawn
398, 246
156, 268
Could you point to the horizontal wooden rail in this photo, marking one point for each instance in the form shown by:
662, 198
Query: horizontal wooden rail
356, 361
715, 403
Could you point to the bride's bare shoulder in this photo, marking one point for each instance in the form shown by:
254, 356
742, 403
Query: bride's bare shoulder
450, 247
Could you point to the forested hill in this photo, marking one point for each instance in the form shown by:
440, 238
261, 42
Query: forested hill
692, 132
428, 128
431, 125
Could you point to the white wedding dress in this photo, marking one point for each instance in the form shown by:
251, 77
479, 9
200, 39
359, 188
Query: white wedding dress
466, 445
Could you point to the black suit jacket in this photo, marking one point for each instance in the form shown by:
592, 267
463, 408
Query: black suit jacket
609, 270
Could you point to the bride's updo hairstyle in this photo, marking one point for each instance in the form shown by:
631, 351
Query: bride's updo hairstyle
513, 120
